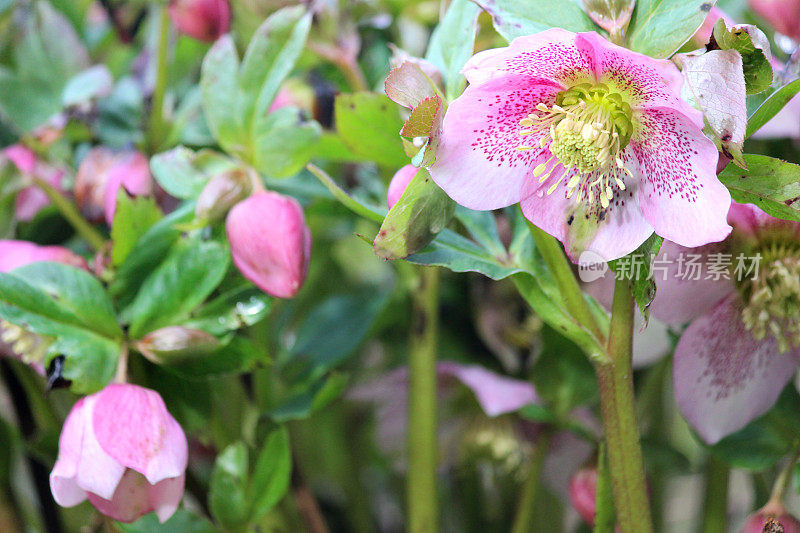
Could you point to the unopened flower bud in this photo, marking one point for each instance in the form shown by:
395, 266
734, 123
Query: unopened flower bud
204, 20
270, 242
399, 182
772, 518
783, 15
177, 344
221, 193
583, 493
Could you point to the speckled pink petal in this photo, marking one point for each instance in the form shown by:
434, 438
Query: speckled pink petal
477, 162
133, 426
680, 297
680, 194
552, 54
723, 377
496, 394
621, 230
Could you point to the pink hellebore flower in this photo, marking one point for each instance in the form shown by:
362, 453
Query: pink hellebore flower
742, 345
204, 20
399, 182
121, 449
591, 138
775, 512
14, 254
583, 493
783, 15
270, 242
30, 200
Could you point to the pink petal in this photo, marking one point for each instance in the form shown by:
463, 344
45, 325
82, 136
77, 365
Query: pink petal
723, 377
399, 182
97, 471
134, 427
165, 496
66, 491
610, 233
552, 55
14, 254
680, 296
496, 394
680, 194
135, 497
477, 162
205, 20
131, 171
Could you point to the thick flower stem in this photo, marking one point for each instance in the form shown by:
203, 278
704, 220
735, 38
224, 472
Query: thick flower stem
715, 508
561, 270
524, 519
70, 212
421, 493
155, 124
615, 381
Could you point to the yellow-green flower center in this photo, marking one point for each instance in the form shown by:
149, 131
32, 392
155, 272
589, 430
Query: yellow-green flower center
589, 126
772, 299
29, 346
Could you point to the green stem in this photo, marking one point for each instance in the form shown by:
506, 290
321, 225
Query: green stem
524, 519
560, 268
784, 477
155, 123
615, 381
715, 508
422, 496
71, 213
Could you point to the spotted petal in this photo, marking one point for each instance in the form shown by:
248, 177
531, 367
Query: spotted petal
680, 194
723, 377
477, 162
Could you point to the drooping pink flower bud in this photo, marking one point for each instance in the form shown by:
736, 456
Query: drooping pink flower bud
205, 20
100, 176
784, 15
583, 492
270, 242
399, 182
772, 518
121, 449
31, 199
14, 254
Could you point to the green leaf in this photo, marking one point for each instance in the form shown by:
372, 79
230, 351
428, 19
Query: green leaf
272, 474
636, 267
359, 208
771, 184
173, 290
182, 521
753, 47
227, 495
76, 291
771, 106
284, 142
562, 374
235, 309
515, 18
132, 218
183, 172
452, 42
220, 88
414, 221
237, 356
310, 400
369, 123
658, 28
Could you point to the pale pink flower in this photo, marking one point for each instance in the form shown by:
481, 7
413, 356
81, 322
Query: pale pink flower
742, 345
592, 139
270, 242
205, 20
121, 449
783, 15
31, 199
14, 254
399, 182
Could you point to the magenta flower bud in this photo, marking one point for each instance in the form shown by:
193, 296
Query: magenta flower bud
14, 254
582, 493
177, 344
121, 449
204, 20
221, 193
270, 242
772, 518
399, 182
100, 176
783, 15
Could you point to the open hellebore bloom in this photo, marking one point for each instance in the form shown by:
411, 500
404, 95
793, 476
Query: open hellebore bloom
121, 449
742, 298
204, 20
592, 139
270, 242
